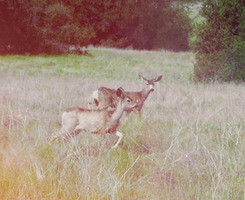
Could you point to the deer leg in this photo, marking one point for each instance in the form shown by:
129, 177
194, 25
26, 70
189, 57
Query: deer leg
138, 112
120, 135
72, 134
57, 134
128, 112
66, 130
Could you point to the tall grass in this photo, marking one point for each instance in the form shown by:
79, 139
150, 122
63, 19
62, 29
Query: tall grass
189, 143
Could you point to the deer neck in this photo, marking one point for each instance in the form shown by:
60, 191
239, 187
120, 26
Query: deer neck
117, 113
115, 116
145, 93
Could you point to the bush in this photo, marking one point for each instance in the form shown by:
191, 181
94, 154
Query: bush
220, 43
207, 66
226, 65
233, 63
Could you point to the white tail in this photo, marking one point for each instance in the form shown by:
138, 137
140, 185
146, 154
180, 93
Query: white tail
106, 97
99, 121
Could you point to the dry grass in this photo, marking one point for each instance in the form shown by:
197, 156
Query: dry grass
189, 143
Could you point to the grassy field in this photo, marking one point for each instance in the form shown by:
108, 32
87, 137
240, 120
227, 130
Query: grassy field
189, 143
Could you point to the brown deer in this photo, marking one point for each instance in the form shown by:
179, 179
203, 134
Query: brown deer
100, 121
106, 97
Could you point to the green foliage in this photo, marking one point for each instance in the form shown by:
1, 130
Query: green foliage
44, 26
220, 42
173, 31
233, 67
16, 33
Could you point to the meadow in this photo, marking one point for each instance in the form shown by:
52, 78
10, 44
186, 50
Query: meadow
188, 144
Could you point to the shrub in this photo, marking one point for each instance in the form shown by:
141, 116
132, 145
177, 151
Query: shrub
226, 65
233, 63
220, 42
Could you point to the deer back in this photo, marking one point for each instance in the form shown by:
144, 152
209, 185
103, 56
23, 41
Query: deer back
107, 97
93, 121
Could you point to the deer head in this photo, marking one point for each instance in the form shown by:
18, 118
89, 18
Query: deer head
126, 101
150, 82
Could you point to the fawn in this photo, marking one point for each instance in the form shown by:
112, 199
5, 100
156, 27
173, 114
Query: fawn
106, 97
100, 121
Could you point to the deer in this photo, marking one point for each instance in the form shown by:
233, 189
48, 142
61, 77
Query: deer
106, 97
100, 121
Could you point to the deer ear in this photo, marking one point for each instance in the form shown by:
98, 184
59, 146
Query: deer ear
142, 78
158, 78
121, 93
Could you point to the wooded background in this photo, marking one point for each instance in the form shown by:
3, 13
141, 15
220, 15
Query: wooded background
214, 30
33, 25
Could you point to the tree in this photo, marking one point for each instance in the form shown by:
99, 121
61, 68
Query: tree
220, 43
37, 26
156, 24
16, 34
